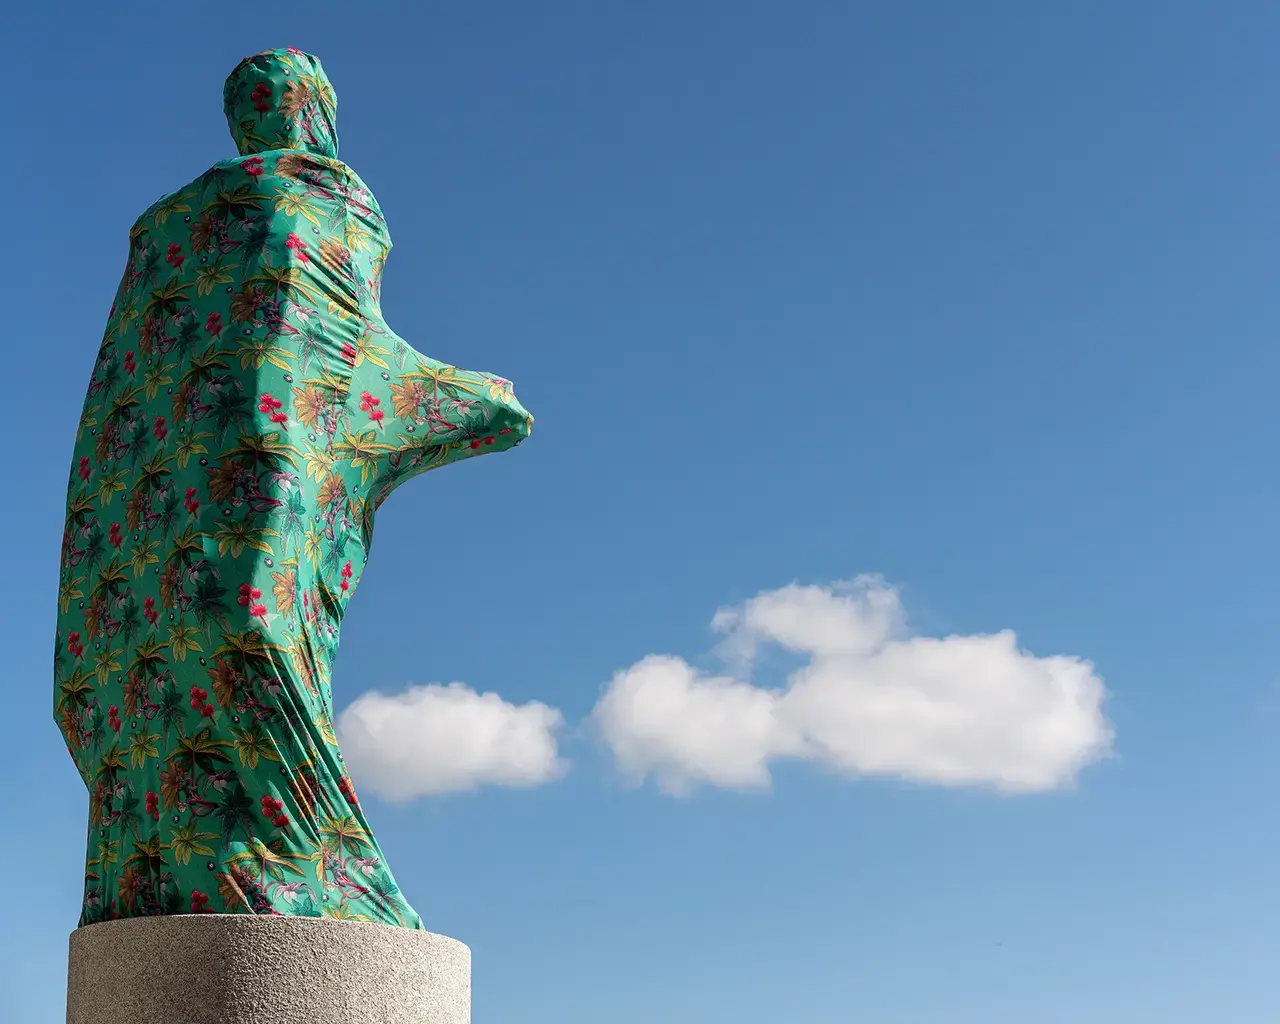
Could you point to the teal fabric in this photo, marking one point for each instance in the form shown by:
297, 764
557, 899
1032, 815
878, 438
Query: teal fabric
248, 411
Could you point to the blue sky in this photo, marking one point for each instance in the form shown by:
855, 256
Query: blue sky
978, 298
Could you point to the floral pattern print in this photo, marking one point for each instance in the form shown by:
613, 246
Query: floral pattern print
248, 412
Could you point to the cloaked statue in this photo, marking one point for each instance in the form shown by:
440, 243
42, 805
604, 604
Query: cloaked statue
248, 411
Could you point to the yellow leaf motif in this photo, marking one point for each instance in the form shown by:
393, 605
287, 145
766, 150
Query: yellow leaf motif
285, 589
188, 841
332, 490
252, 744
309, 404
142, 745
183, 640
325, 728
295, 204
344, 309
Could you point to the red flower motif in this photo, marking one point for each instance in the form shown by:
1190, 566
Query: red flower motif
475, 443
73, 639
248, 594
190, 501
175, 257
260, 96
258, 610
349, 353
272, 406
298, 246
214, 324
114, 535
207, 711
85, 469
129, 363
160, 430
369, 403
252, 167
280, 820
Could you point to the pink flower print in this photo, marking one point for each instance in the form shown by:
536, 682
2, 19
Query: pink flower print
272, 407
298, 246
369, 403
190, 501
261, 96
175, 257
248, 594
252, 167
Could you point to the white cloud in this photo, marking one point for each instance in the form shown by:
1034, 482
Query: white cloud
870, 700
662, 716
440, 739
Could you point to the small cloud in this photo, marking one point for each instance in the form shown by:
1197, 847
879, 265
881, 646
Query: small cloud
662, 716
870, 700
443, 739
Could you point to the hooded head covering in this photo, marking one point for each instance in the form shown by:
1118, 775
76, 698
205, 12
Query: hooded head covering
281, 99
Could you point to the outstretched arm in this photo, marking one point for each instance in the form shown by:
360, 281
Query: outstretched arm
421, 413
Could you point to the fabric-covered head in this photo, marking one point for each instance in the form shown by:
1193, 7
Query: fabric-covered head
281, 99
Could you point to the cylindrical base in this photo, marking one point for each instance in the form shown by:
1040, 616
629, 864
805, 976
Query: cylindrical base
248, 969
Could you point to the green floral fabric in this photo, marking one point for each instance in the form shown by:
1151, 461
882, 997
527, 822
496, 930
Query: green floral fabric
248, 411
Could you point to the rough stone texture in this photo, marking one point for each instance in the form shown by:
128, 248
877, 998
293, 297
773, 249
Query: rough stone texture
243, 969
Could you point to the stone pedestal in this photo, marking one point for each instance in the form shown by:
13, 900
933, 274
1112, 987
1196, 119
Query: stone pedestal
244, 969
